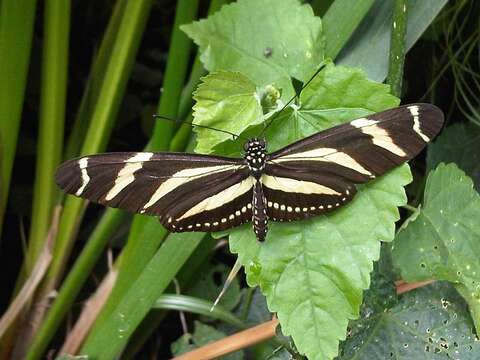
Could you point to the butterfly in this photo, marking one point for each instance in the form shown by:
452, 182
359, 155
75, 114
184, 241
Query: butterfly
313, 176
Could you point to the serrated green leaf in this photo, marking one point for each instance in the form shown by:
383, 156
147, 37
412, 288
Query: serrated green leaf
288, 41
458, 143
313, 272
203, 335
224, 100
209, 285
442, 242
428, 323
338, 94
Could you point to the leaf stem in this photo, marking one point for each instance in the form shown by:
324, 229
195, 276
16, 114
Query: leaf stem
397, 47
410, 208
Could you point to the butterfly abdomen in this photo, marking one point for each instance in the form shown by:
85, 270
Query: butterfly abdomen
259, 218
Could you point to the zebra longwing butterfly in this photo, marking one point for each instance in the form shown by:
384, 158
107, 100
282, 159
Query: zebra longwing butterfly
191, 192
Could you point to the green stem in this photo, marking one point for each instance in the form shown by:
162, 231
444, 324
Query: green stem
108, 224
16, 31
247, 303
110, 95
410, 208
146, 233
94, 84
397, 47
52, 116
196, 306
112, 335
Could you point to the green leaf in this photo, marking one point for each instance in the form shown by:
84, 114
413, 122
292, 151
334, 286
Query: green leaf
224, 97
203, 335
428, 323
336, 95
369, 47
210, 283
288, 41
442, 242
458, 143
313, 272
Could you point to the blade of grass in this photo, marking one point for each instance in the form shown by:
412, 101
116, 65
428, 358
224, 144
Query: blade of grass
107, 226
94, 83
104, 114
90, 310
111, 219
25, 294
146, 233
16, 31
397, 47
196, 306
112, 335
185, 277
53, 96
340, 21
113, 87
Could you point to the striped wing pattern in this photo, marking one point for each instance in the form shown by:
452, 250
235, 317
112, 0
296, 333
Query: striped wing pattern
191, 192
187, 192
317, 174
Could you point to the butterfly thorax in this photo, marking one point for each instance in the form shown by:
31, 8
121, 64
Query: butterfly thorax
256, 156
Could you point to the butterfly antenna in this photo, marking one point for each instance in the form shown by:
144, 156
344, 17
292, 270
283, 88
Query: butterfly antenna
236, 267
320, 68
235, 136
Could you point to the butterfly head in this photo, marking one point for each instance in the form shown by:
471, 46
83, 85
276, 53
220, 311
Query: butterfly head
256, 155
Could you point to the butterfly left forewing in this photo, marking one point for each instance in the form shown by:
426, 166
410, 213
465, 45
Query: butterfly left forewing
188, 192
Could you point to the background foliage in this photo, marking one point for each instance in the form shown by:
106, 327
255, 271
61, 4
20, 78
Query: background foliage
86, 76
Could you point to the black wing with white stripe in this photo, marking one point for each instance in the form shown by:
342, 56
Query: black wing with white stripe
317, 174
188, 192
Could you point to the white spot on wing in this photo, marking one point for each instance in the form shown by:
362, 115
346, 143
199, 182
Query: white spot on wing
328, 155
127, 175
359, 123
83, 163
416, 122
381, 138
296, 186
220, 198
182, 177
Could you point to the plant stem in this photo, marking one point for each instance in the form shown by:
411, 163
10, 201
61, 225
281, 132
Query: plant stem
94, 83
113, 87
112, 219
410, 208
16, 31
397, 47
52, 116
146, 233
112, 335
